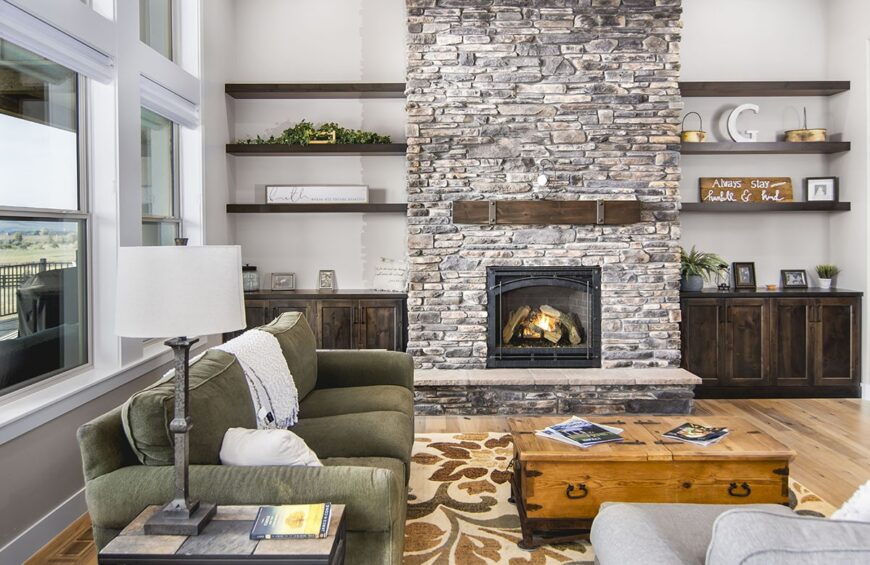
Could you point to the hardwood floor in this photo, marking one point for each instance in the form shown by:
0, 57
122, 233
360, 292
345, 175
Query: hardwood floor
830, 436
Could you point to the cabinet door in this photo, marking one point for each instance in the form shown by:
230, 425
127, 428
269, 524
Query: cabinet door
380, 324
793, 341
337, 324
256, 313
837, 348
703, 337
747, 342
306, 307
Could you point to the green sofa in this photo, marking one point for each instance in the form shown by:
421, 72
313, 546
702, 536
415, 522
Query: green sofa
356, 413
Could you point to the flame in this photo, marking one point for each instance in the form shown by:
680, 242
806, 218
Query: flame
545, 322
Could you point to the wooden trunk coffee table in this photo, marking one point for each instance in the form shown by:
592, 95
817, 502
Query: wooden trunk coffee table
225, 540
558, 488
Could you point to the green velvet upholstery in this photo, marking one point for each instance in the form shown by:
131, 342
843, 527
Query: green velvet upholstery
337, 369
297, 341
324, 402
218, 397
356, 414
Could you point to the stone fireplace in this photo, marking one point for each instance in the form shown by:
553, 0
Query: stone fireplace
543, 317
584, 93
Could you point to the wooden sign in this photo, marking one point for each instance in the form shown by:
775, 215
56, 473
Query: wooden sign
746, 189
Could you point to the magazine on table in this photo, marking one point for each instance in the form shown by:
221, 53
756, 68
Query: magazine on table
581, 433
697, 434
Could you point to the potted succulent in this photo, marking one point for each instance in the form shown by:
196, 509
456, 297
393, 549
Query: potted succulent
698, 266
827, 273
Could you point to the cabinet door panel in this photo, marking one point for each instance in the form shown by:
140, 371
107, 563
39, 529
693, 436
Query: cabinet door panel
703, 337
306, 307
256, 313
380, 324
837, 343
746, 359
793, 341
337, 324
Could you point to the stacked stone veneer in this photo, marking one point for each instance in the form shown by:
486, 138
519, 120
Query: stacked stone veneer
495, 87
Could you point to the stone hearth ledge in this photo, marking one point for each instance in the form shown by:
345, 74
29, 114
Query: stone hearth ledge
551, 377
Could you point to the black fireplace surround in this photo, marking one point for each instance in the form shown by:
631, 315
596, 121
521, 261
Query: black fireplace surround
543, 317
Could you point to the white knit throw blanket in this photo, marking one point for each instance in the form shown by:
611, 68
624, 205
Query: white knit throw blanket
276, 400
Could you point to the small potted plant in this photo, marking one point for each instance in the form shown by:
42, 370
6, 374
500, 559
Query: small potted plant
698, 266
827, 273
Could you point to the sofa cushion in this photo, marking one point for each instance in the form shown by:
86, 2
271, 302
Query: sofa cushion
752, 536
218, 400
388, 463
657, 534
369, 434
350, 400
292, 331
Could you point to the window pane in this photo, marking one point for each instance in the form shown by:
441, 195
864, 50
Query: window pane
159, 233
42, 299
157, 165
38, 131
155, 25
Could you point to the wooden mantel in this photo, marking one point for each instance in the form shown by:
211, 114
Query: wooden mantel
536, 212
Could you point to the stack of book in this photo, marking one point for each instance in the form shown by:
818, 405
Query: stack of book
292, 521
581, 433
696, 434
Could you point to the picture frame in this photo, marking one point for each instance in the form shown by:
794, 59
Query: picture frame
794, 278
744, 276
283, 281
822, 189
326, 280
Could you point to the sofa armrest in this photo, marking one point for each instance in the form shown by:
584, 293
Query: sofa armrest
759, 537
374, 497
337, 369
104, 445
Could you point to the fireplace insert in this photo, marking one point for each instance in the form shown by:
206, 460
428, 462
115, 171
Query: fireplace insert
543, 317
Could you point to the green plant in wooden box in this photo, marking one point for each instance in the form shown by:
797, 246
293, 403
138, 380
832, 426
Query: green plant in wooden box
827, 274
304, 133
698, 266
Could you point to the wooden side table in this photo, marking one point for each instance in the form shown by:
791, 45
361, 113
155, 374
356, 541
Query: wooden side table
225, 540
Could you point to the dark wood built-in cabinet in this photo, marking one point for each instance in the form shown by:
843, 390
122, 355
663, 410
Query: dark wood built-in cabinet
341, 320
789, 343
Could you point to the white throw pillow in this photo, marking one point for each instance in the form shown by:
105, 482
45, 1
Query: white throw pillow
391, 275
856, 508
266, 448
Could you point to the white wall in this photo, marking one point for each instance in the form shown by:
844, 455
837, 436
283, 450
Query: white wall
849, 56
751, 40
341, 41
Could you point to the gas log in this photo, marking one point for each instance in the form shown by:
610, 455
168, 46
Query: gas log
543, 323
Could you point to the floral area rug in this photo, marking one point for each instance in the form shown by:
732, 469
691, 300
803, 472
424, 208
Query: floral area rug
459, 514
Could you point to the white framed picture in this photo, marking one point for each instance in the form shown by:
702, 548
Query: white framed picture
316, 194
823, 189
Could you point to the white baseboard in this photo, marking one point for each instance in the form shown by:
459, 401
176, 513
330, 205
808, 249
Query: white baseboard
33, 538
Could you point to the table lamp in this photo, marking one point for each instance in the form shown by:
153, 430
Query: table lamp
183, 292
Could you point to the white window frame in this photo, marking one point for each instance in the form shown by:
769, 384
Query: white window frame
113, 166
177, 216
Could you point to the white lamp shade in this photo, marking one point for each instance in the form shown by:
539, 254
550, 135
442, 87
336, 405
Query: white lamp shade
179, 291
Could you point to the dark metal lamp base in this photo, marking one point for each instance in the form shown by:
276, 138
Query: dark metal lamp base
170, 524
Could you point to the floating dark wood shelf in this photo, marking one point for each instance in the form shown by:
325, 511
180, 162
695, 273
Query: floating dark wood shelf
316, 90
748, 208
385, 208
534, 212
266, 150
764, 148
764, 88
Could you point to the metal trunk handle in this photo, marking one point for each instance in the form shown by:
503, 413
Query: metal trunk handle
732, 490
581, 488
